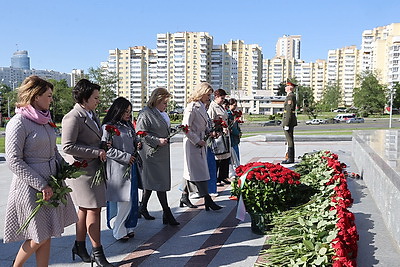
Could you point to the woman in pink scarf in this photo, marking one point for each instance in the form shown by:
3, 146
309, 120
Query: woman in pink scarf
32, 156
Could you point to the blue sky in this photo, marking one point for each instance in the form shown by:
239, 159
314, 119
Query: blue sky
62, 35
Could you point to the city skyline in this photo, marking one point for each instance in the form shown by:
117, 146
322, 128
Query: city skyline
64, 35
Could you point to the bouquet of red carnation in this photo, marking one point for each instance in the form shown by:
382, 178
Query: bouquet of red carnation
100, 175
60, 190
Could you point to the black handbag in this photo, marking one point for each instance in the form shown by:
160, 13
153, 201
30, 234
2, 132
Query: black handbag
220, 145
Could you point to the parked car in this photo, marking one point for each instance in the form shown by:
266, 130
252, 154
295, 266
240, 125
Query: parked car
355, 120
272, 122
315, 122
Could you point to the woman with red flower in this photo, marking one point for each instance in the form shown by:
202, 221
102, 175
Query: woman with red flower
156, 171
219, 115
235, 131
122, 189
195, 168
81, 140
33, 157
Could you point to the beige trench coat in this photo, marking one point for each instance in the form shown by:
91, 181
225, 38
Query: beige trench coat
195, 166
80, 141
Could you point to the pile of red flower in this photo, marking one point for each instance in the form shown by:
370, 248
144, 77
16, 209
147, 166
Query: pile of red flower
267, 187
345, 244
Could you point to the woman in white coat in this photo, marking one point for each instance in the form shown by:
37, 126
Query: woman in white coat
195, 171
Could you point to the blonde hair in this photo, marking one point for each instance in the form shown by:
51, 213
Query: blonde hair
158, 95
31, 87
200, 90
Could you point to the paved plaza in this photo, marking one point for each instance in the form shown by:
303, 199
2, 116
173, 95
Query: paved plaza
214, 238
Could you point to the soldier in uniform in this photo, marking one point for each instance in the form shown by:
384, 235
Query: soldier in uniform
289, 121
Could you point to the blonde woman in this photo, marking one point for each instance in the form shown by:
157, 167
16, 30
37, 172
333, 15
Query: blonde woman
195, 172
155, 153
32, 156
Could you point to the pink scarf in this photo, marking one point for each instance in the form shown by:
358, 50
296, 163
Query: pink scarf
38, 116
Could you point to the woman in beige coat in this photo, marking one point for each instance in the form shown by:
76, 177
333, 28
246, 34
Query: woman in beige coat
195, 168
81, 137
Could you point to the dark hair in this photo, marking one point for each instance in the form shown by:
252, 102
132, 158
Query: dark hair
219, 92
83, 90
226, 102
117, 109
232, 101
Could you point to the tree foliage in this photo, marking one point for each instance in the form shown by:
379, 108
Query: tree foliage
107, 80
396, 95
281, 89
331, 97
8, 99
63, 101
370, 97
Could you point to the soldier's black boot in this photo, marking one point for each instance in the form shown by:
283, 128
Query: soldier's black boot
290, 158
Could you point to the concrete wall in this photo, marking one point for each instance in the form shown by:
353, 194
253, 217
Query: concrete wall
376, 154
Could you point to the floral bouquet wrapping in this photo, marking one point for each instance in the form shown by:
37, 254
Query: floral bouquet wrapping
264, 187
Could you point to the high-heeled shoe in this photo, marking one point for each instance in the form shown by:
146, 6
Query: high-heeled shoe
143, 211
168, 218
79, 249
186, 201
99, 258
210, 204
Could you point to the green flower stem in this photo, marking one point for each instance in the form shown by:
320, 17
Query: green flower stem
29, 219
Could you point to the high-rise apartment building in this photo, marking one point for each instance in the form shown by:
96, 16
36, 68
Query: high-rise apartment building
131, 67
288, 47
20, 60
276, 71
342, 69
183, 61
380, 52
76, 75
242, 67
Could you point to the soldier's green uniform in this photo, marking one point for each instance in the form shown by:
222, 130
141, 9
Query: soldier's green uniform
289, 120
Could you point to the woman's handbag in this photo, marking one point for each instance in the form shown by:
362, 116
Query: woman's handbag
220, 145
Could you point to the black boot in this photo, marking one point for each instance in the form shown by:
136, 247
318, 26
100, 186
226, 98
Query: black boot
209, 203
79, 249
290, 158
168, 218
143, 211
186, 201
99, 258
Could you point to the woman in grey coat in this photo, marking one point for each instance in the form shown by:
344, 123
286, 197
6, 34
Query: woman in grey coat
195, 168
80, 139
32, 156
156, 172
122, 179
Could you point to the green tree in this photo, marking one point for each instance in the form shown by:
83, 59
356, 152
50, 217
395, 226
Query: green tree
396, 95
8, 99
63, 101
108, 81
331, 97
281, 89
370, 97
